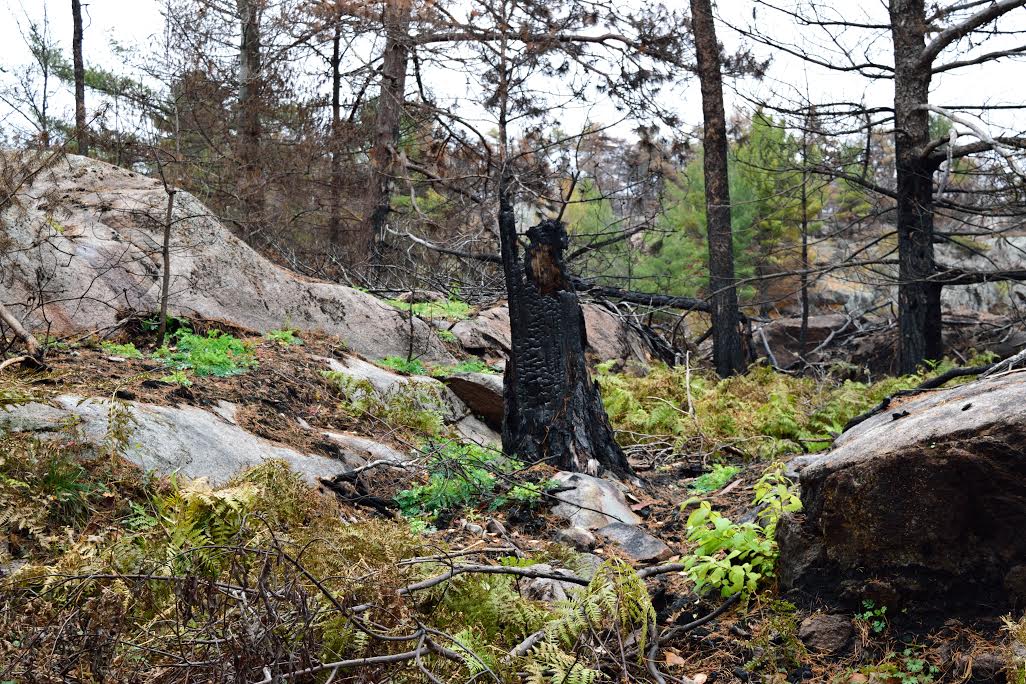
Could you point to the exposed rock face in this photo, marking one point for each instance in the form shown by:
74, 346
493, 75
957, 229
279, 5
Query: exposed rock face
488, 335
482, 393
166, 439
99, 255
924, 503
428, 393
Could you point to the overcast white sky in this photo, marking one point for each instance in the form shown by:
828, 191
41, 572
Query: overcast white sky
138, 23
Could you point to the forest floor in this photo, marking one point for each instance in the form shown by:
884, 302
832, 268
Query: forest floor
110, 574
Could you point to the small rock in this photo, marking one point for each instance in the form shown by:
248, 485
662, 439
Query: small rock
496, 527
826, 633
578, 538
635, 542
473, 528
592, 503
546, 589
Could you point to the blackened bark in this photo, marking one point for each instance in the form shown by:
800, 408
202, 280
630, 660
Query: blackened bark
249, 184
553, 410
919, 298
383, 153
335, 220
81, 131
728, 354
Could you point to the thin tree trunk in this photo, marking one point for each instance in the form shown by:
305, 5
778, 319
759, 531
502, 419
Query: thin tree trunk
27, 338
249, 183
81, 133
553, 411
335, 220
383, 153
728, 354
803, 336
919, 299
165, 283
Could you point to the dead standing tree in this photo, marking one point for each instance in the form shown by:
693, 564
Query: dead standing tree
553, 410
924, 42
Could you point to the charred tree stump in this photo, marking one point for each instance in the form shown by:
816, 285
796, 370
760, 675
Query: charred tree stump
553, 411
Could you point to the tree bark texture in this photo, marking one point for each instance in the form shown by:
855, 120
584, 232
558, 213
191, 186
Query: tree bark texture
553, 410
250, 189
335, 218
728, 354
384, 152
81, 130
919, 298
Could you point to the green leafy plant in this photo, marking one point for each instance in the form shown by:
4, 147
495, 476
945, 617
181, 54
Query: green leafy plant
174, 323
178, 377
873, 616
715, 479
413, 408
468, 475
451, 309
910, 667
615, 600
216, 353
404, 365
284, 337
126, 351
472, 365
731, 557
458, 474
446, 336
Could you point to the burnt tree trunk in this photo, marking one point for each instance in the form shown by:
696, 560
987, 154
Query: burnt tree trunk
383, 153
728, 354
919, 298
81, 132
250, 129
553, 410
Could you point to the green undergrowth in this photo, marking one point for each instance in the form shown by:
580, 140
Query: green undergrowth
762, 414
403, 365
715, 479
216, 353
463, 476
284, 337
452, 309
127, 350
413, 410
407, 366
472, 365
261, 572
735, 558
